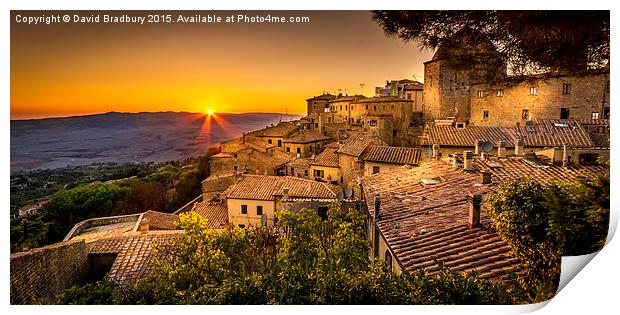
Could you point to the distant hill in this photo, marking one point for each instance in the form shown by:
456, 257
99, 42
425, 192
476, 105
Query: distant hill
124, 137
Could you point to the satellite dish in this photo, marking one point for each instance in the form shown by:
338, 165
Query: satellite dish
428, 152
348, 192
529, 123
339, 196
486, 146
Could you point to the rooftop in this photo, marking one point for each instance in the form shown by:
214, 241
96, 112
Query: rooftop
283, 129
300, 162
538, 133
262, 187
394, 155
306, 136
358, 142
329, 158
379, 99
424, 216
215, 212
325, 96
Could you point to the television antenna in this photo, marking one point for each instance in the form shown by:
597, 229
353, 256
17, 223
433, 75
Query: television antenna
362, 85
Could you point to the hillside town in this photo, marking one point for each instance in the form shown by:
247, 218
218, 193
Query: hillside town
415, 159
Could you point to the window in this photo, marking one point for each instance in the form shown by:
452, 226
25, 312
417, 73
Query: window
373, 123
430, 80
533, 90
351, 107
306, 173
375, 169
244, 209
566, 88
606, 113
235, 168
292, 170
346, 107
323, 212
388, 259
525, 114
408, 96
288, 149
594, 115
375, 107
279, 143
366, 107
485, 115
318, 173
340, 107
500, 93
480, 93
269, 141
341, 179
259, 210
298, 150
564, 113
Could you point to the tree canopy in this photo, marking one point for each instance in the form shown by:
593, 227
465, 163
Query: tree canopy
302, 260
529, 42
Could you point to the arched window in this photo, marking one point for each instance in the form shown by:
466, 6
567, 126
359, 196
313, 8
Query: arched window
388, 258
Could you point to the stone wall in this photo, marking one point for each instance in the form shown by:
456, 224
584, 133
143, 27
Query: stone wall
47, 271
445, 90
586, 95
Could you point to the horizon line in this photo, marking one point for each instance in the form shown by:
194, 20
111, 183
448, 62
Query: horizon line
148, 112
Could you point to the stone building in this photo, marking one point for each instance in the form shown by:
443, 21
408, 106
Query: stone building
350, 162
340, 106
406, 89
319, 104
559, 97
299, 167
255, 199
325, 168
305, 142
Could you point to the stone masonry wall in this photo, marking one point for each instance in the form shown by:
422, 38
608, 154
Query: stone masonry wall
47, 271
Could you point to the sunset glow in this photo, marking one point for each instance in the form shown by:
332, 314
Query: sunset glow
75, 69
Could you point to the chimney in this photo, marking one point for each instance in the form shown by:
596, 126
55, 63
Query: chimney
475, 203
501, 148
519, 147
377, 208
564, 155
436, 151
285, 194
468, 161
143, 226
486, 177
477, 145
320, 124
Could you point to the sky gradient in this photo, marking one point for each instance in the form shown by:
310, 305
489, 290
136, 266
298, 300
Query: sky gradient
67, 69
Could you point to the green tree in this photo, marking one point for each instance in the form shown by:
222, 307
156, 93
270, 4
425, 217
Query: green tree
71, 206
528, 41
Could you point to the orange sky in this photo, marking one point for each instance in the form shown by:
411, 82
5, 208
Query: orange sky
72, 69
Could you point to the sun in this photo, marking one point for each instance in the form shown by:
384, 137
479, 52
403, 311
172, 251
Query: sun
210, 112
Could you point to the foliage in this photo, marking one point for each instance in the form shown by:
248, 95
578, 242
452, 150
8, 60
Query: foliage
28, 233
98, 293
71, 206
528, 41
579, 215
144, 195
302, 260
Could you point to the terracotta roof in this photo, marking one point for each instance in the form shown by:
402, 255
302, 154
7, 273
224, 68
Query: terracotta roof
282, 129
356, 144
414, 86
394, 155
328, 158
593, 122
532, 167
215, 212
300, 162
134, 254
275, 160
160, 220
427, 223
347, 98
379, 99
600, 140
306, 136
262, 187
322, 97
554, 133
466, 137
541, 133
